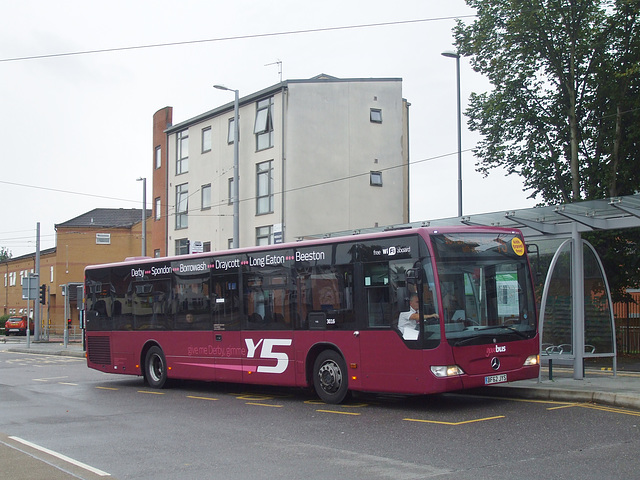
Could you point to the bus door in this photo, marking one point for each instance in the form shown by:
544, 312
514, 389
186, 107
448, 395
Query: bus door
391, 359
267, 331
227, 344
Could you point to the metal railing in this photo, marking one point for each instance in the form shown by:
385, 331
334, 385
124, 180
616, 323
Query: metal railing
628, 338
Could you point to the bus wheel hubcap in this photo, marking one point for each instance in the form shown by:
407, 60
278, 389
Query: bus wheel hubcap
330, 377
156, 368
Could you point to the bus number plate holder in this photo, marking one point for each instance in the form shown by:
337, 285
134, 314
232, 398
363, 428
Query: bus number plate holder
495, 379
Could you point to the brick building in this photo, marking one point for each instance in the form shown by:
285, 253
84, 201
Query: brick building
101, 235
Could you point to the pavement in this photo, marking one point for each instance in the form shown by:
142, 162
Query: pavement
599, 385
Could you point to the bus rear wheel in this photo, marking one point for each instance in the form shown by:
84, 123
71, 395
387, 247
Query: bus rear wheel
155, 368
330, 377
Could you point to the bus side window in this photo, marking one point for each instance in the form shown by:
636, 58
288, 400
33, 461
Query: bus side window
225, 303
376, 286
325, 298
192, 302
268, 301
387, 291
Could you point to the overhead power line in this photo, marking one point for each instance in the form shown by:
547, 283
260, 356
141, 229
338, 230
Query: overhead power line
68, 191
237, 37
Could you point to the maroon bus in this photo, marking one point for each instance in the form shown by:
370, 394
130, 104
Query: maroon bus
412, 311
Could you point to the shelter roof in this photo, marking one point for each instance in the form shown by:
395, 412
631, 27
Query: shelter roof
555, 220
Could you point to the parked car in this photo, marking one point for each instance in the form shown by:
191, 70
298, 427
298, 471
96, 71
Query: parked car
17, 325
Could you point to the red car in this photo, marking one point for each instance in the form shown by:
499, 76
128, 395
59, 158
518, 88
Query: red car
17, 325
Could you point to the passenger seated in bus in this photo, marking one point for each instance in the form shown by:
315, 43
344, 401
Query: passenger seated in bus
408, 321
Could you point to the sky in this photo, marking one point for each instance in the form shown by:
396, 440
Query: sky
76, 129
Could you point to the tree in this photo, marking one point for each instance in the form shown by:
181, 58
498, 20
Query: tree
4, 254
564, 111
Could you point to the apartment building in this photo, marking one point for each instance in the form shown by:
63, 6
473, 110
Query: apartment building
318, 155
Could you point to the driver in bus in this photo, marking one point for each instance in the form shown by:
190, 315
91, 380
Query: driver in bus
408, 321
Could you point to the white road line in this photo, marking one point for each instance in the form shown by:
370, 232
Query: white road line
62, 457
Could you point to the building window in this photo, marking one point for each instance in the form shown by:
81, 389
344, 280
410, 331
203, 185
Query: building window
182, 246
375, 179
158, 157
206, 139
206, 197
51, 275
264, 188
231, 191
158, 208
156, 253
182, 152
103, 239
231, 132
206, 246
264, 235
263, 127
375, 115
182, 206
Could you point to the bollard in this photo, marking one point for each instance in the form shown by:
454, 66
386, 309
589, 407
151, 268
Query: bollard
550, 369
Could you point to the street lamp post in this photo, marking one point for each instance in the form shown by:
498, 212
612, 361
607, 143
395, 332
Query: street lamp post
457, 57
144, 214
236, 187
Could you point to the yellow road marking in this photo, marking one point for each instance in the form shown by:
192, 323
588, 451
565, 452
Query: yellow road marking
454, 424
107, 388
603, 408
263, 405
339, 413
569, 405
150, 392
201, 398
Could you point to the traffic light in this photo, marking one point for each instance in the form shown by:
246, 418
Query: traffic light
68, 323
43, 294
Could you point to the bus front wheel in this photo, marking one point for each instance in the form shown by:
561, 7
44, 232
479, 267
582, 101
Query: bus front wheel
330, 377
155, 368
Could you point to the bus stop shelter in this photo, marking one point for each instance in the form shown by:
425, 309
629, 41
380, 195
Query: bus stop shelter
576, 313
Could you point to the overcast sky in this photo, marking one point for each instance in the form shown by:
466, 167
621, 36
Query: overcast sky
76, 130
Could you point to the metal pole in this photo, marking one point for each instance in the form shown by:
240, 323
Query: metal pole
65, 290
235, 242
36, 304
459, 139
236, 161
457, 57
144, 215
577, 295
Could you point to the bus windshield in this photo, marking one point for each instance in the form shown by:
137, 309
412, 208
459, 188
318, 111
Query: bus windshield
485, 286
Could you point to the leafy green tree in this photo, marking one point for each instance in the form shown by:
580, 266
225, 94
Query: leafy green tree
4, 254
564, 110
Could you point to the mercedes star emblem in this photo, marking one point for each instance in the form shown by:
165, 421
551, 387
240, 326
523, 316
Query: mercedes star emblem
495, 363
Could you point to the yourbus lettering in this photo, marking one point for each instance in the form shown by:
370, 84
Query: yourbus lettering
496, 349
266, 351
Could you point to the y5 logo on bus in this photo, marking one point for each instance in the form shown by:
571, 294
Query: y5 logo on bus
267, 352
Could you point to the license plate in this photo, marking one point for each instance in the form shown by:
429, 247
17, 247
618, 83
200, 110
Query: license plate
495, 379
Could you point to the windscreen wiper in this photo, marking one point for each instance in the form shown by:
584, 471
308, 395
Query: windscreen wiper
484, 333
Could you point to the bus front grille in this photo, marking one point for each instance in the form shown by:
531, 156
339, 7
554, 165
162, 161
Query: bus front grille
99, 350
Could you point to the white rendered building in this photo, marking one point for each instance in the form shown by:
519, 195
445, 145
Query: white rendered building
315, 156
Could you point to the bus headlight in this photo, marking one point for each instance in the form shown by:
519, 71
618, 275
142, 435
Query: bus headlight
532, 360
446, 371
